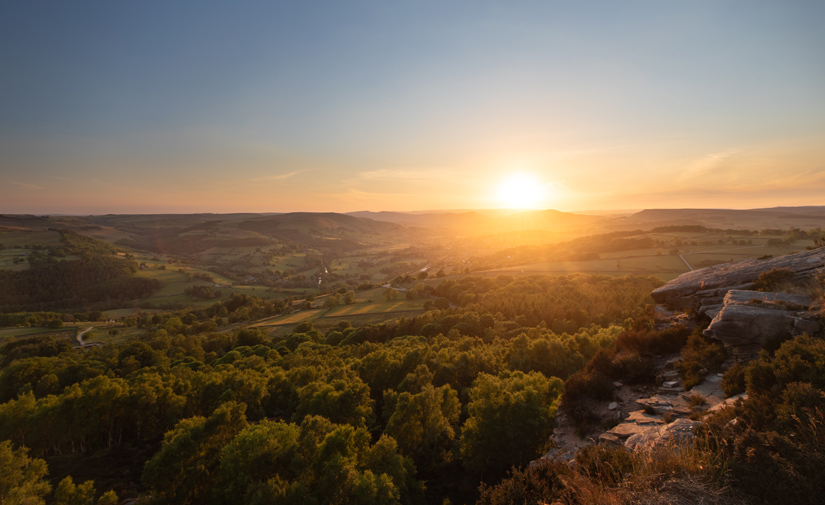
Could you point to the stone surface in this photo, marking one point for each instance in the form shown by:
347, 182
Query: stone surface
612, 406
710, 390
609, 439
678, 432
707, 287
728, 402
626, 430
750, 319
642, 417
662, 404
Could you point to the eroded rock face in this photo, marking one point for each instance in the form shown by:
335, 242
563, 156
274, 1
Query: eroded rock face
705, 289
750, 319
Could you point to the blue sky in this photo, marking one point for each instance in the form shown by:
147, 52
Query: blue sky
339, 106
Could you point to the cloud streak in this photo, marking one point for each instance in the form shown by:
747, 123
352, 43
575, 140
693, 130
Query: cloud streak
277, 177
705, 165
26, 185
390, 174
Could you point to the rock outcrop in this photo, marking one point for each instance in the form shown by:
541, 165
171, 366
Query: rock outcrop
705, 289
748, 320
745, 320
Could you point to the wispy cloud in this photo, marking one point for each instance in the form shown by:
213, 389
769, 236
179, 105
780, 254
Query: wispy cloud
392, 174
277, 177
705, 165
26, 185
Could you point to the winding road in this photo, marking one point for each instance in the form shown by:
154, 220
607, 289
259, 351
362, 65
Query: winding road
79, 337
682, 257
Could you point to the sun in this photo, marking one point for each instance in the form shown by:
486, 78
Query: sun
521, 191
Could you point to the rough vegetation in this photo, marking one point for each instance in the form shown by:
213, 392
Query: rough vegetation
454, 404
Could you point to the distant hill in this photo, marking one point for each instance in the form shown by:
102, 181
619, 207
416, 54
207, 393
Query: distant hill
491, 222
432, 220
778, 218
329, 221
550, 220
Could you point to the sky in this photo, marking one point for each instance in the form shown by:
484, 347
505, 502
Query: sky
268, 106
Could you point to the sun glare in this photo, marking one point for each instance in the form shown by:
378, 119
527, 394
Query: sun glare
521, 191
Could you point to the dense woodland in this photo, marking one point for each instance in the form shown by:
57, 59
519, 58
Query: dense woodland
410, 411
77, 282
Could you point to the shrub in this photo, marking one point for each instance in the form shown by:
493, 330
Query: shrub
700, 354
775, 280
633, 368
655, 342
733, 382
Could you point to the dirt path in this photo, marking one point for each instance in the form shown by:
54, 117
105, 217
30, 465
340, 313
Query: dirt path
80, 337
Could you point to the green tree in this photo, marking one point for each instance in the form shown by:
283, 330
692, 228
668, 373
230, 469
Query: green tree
511, 417
22, 479
255, 455
332, 300
340, 400
69, 493
181, 472
423, 424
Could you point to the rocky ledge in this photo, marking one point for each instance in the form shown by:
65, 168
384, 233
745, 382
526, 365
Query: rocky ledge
745, 320
705, 289
748, 320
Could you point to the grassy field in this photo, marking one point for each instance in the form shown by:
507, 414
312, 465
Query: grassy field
18, 244
12, 333
368, 307
699, 249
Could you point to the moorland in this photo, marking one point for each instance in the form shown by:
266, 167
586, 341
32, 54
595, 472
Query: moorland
368, 357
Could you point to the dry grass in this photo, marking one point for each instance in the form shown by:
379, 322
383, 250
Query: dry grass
680, 491
675, 474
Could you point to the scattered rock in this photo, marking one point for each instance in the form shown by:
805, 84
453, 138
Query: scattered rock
617, 384
612, 406
670, 384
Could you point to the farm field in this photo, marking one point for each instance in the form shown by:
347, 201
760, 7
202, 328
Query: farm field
699, 249
11, 333
364, 310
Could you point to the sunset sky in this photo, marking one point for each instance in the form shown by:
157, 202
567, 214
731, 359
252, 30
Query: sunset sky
201, 106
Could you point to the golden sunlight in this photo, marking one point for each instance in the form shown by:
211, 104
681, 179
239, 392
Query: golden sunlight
521, 191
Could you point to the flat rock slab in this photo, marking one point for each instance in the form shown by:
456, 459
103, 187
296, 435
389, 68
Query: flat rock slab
677, 432
728, 402
662, 404
642, 417
609, 439
710, 390
626, 430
